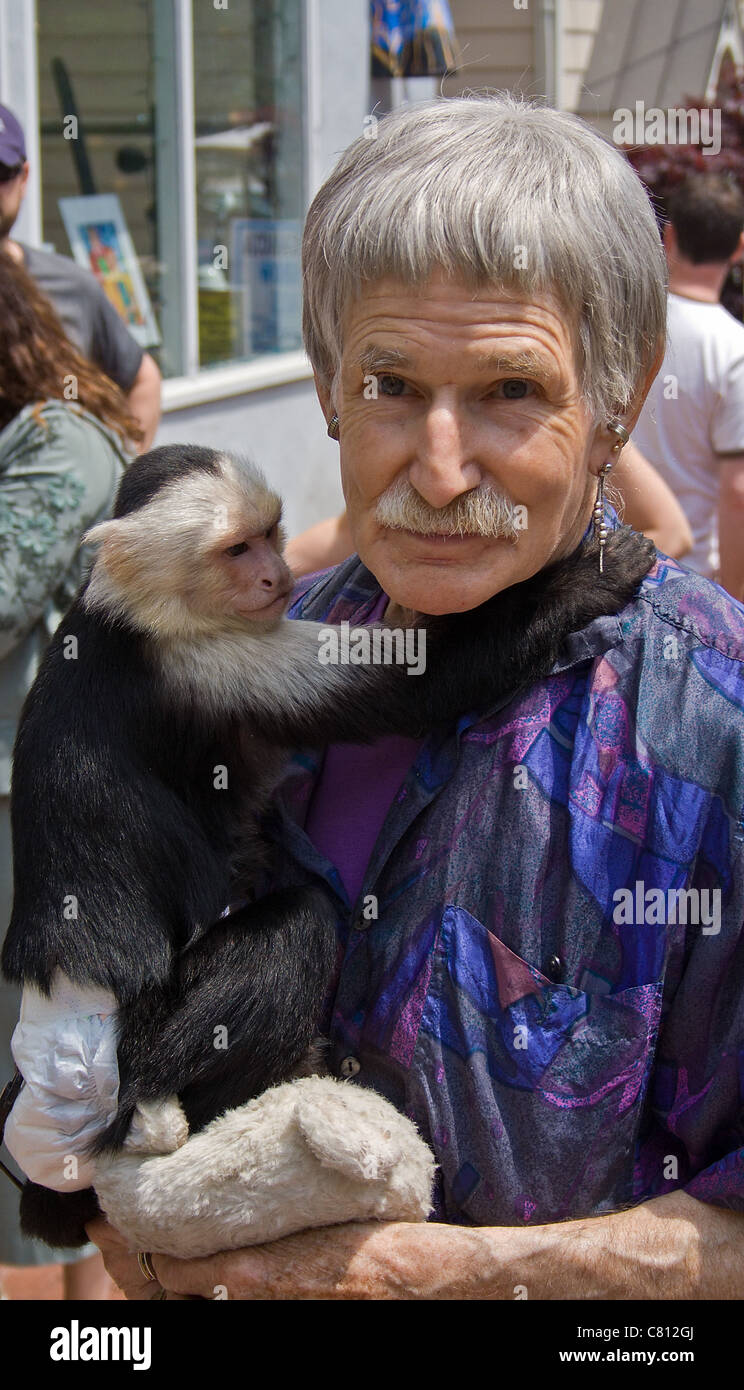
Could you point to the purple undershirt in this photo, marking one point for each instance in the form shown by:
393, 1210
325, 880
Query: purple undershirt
353, 794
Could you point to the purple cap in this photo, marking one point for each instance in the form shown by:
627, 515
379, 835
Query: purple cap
12, 143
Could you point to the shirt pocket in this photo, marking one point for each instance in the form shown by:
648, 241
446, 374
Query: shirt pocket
531, 1093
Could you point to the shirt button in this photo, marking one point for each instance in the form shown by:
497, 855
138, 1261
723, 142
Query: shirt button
350, 1066
554, 968
361, 923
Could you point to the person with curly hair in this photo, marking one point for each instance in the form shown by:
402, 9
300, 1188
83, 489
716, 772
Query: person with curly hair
66, 435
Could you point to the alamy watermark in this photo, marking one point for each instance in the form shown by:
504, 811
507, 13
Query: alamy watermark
76, 1343
373, 646
644, 906
679, 125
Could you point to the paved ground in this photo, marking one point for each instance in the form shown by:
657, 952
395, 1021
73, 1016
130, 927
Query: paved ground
44, 1282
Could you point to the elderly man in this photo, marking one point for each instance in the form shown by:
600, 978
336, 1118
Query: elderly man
518, 968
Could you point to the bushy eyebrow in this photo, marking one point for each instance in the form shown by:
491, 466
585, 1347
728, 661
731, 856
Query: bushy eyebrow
374, 359
381, 359
527, 363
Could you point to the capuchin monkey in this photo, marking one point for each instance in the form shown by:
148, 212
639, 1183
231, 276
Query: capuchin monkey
147, 750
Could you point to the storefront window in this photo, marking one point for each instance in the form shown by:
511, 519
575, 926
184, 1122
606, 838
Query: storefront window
247, 98
192, 225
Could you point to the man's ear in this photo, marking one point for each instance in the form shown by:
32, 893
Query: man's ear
604, 438
323, 393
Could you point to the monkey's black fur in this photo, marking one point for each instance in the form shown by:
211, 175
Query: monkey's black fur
114, 803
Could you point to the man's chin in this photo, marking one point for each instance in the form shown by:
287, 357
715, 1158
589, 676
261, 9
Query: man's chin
428, 602
436, 590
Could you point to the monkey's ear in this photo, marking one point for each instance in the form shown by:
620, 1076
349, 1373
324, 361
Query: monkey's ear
104, 531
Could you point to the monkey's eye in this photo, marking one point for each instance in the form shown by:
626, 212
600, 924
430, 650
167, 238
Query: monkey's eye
238, 549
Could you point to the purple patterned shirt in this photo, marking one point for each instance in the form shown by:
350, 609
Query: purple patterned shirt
566, 1029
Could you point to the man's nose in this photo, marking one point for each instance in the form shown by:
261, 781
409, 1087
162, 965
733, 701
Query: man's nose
443, 466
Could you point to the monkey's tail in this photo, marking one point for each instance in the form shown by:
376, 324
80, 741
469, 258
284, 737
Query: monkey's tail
59, 1218
113, 1136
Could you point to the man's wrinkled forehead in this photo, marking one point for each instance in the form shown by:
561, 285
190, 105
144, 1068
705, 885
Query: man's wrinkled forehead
384, 326
376, 358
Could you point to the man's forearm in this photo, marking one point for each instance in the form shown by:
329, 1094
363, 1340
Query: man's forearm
649, 505
731, 526
731, 549
143, 400
325, 544
672, 1247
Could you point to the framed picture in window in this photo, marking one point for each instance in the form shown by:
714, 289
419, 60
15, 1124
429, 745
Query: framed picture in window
265, 272
100, 242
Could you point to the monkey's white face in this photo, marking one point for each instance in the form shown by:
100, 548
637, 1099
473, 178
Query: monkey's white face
257, 582
203, 556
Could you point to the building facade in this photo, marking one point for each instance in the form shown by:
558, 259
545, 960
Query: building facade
212, 123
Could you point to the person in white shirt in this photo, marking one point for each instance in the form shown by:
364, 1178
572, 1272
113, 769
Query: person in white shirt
691, 428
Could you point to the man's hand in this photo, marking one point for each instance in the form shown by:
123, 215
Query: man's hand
121, 1264
671, 1247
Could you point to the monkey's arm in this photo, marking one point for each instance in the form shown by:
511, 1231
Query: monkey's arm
473, 659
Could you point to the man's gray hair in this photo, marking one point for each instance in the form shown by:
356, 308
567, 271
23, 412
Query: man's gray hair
494, 190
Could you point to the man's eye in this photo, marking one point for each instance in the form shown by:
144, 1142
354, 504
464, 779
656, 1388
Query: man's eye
516, 389
238, 549
390, 385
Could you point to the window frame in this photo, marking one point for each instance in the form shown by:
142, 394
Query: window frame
174, 102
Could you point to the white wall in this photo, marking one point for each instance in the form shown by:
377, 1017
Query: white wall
283, 431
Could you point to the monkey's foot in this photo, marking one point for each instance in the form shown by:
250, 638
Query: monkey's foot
158, 1127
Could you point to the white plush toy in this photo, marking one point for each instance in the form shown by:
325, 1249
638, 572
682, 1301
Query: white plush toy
311, 1152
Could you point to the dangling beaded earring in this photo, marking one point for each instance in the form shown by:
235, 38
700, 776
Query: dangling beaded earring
598, 516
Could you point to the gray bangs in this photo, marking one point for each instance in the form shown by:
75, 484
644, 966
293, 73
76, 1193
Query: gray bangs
494, 191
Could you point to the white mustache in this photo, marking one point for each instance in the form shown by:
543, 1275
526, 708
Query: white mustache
482, 512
